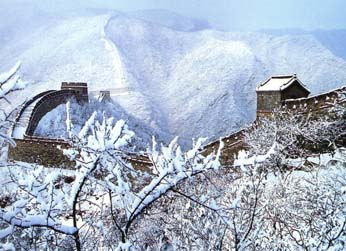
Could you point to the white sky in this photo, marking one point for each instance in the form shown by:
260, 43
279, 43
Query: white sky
233, 14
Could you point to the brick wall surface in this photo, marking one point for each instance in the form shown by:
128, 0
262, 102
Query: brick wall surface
42, 152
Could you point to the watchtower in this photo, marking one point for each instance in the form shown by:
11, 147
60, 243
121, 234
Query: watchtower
80, 89
104, 97
276, 89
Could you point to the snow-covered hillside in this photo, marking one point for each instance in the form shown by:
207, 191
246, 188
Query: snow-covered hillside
183, 78
170, 20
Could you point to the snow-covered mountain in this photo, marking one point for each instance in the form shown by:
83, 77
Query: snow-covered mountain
333, 40
183, 78
171, 20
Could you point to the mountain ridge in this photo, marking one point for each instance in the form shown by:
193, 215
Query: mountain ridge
186, 83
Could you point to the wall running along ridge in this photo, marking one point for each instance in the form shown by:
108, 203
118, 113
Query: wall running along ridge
44, 151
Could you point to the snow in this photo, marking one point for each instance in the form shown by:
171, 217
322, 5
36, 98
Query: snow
9, 81
11, 72
165, 63
38, 220
171, 20
323, 160
18, 132
8, 247
69, 125
243, 160
22, 125
116, 61
79, 115
27, 176
53, 124
276, 83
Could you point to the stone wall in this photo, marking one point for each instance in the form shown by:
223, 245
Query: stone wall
267, 101
48, 103
319, 104
233, 143
80, 89
46, 152
41, 151
316, 107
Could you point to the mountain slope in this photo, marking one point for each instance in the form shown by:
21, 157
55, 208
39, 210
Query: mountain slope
204, 82
190, 84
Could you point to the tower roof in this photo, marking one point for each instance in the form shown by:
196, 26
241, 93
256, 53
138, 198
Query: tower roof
279, 83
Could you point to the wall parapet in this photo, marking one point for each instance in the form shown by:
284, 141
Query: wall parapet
49, 152
316, 103
46, 152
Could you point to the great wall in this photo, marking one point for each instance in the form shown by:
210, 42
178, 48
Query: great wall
285, 92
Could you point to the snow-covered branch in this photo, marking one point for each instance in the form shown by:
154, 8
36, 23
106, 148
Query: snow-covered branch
103, 185
10, 82
132, 191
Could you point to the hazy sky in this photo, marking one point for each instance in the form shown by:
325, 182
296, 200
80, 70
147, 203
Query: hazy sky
237, 14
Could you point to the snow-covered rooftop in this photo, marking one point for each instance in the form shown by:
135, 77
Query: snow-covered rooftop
278, 83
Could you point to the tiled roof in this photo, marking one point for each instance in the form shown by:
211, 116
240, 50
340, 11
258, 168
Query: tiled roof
278, 83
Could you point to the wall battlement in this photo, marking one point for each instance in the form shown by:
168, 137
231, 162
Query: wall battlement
79, 89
